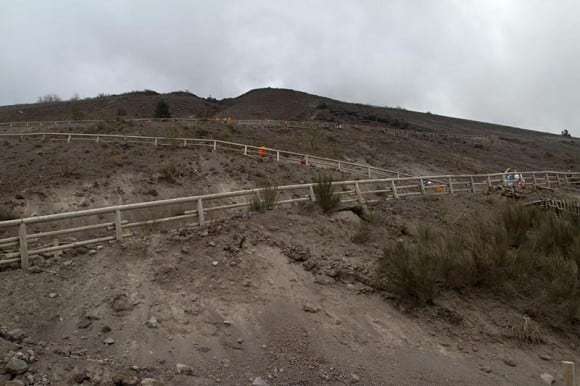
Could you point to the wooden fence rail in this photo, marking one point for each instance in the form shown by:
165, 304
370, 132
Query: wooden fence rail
116, 222
277, 154
250, 122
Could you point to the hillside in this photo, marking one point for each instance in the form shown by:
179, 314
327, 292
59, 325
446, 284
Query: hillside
290, 295
266, 103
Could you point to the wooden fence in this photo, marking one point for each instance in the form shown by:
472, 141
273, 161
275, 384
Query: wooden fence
29, 237
557, 204
279, 155
404, 133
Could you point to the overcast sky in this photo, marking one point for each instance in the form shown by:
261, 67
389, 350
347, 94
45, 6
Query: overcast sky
513, 62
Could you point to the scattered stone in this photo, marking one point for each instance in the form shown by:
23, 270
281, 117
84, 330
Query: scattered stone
14, 382
184, 369
226, 363
52, 295
227, 323
309, 265
545, 357
203, 349
152, 322
184, 250
203, 233
16, 366
121, 303
247, 283
297, 253
106, 329
34, 270
125, 379
100, 246
151, 382
109, 341
15, 335
92, 252
211, 244
509, 362
258, 381
84, 323
67, 263
354, 378
215, 263
547, 378
19, 196
486, 369
310, 308
240, 341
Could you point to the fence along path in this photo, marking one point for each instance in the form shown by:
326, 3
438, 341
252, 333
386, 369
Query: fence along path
279, 155
32, 236
557, 204
405, 133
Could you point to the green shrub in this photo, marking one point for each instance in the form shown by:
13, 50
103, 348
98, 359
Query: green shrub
162, 110
264, 200
326, 198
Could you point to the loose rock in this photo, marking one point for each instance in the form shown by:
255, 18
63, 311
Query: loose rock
16, 366
109, 341
258, 381
184, 369
547, 378
152, 322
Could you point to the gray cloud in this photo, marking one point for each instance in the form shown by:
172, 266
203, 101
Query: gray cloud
507, 61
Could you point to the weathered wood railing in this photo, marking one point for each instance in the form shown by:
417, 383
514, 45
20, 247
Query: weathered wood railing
116, 222
557, 204
405, 133
277, 154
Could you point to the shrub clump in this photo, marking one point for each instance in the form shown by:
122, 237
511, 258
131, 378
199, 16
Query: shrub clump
326, 198
517, 249
264, 200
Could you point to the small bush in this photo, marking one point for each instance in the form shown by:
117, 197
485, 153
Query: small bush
326, 198
201, 132
162, 110
170, 173
264, 200
374, 218
363, 235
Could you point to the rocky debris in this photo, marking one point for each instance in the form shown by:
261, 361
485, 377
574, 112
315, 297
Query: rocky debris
310, 308
16, 366
354, 378
485, 369
545, 357
509, 362
309, 265
15, 335
548, 378
121, 303
297, 253
52, 295
151, 382
109, 341
125, 379
152, 322
84, 323
6, 347
258, 381
14, 382
215, 263
184, 369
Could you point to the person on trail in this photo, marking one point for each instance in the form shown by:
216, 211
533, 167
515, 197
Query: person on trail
262, 151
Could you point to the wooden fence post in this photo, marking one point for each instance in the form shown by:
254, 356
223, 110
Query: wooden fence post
422, 186
534, 181
489, 181
23, 242
547, 180
118, 226
450, 186
558, 180
200, 213
359, 196
245, 150
394, 188
472, 185
155, 141
277, 156
311, 192
306, 160
338, 165
214, 145
369, 172
569, 376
